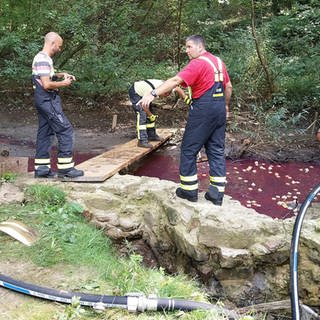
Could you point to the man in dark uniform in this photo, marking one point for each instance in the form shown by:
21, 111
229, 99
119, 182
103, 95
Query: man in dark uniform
146, 119
211, 89
52, 120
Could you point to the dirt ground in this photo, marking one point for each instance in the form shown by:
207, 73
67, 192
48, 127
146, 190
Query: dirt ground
92, 122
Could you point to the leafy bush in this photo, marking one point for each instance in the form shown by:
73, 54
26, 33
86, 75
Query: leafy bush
295, 37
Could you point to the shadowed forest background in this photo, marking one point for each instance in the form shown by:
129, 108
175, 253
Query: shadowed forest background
271, 49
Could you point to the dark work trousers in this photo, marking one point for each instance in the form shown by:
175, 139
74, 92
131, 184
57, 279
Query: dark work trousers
145, 128
205, 127
52, 122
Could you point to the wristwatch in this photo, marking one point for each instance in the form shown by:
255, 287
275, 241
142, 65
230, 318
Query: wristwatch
153, 92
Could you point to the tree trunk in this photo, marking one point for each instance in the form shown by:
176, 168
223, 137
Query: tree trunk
180, 6
259, 51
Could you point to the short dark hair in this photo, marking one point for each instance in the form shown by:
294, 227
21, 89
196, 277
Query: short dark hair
197, 39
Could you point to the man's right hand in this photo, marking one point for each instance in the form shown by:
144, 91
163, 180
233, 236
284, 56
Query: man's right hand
67, 81
145, 101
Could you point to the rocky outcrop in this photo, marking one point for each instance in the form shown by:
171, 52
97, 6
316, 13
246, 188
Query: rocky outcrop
238, 254
10, 193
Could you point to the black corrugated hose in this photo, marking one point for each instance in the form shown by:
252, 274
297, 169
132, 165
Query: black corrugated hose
294, 253
133, 302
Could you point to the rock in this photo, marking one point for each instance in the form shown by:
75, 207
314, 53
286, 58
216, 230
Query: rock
10, 193
4, 153
240, 255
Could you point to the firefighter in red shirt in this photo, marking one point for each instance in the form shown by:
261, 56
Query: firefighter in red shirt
209, 83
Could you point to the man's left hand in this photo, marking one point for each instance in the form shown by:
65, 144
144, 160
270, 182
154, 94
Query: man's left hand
69, 76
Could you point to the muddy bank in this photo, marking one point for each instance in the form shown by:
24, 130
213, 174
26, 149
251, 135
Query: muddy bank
92, 121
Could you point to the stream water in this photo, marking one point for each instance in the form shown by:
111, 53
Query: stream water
273, 189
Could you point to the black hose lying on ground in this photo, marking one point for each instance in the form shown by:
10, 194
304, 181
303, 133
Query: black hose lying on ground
133, 302
294, 253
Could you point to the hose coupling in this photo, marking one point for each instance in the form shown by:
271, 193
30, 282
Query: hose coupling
99, 307
138, 302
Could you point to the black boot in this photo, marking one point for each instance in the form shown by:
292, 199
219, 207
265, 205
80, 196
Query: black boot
214, 196
70, 173
188, 195
44, 172
144, 144
154, 138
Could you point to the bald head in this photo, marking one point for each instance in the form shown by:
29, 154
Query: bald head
52, 43
51, 37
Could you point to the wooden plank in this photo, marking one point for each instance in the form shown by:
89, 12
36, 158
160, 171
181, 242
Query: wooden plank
105, 165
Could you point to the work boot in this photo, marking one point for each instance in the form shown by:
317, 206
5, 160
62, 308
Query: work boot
44, 172
214, 196
154, 138
144, 144
70, 173
188, 195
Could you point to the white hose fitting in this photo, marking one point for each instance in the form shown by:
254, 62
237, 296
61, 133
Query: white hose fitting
137, 302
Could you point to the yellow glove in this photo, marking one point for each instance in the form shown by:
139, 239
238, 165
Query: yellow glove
152, 118
187, 100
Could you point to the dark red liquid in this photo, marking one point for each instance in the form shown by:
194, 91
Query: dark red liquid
266, 187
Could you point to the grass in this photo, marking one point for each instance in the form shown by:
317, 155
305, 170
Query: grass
80, 252
7, 177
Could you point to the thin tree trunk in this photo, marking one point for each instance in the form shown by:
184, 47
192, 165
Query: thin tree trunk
259, 53
180, 6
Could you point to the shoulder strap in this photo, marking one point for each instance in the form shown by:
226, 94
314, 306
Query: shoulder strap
150, 84
218, 74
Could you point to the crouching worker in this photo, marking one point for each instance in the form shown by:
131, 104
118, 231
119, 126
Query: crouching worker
51, 119
146, 119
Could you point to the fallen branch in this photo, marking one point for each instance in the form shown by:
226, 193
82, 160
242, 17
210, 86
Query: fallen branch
266, 307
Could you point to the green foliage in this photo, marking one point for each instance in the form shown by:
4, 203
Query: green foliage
295, 37
46, 195
8, 177
110, 44
276, 119
71, 312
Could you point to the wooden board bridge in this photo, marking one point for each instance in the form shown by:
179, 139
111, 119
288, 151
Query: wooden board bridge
105, 165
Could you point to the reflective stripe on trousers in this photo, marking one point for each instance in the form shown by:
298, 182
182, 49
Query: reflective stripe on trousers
51, 122
144, 126
205, 126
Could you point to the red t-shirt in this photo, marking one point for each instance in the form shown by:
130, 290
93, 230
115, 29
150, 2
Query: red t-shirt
199, 75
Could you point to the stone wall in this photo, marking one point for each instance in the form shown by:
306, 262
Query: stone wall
240, 255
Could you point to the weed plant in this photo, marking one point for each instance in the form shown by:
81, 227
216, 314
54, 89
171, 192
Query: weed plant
7, 177
67, 240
